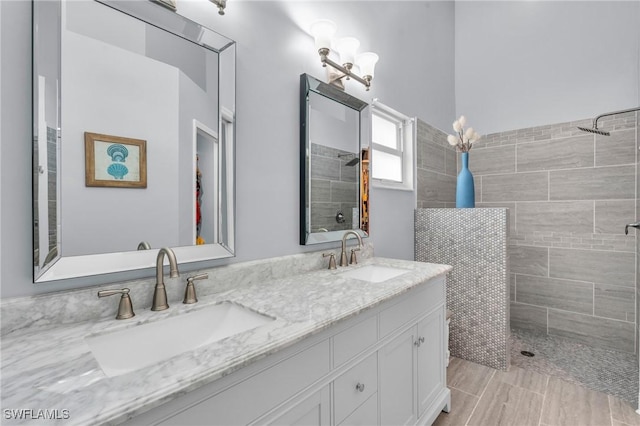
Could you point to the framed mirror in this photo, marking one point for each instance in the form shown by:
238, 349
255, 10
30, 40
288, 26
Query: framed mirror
134, 138
334, 163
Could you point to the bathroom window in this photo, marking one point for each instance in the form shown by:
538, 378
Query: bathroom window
392, 142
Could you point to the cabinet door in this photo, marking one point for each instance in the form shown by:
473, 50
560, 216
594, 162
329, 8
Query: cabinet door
310, 412
397, 380
253, 397
430, 354
365, 415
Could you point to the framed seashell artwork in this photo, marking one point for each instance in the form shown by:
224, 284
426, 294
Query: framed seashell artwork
115, 161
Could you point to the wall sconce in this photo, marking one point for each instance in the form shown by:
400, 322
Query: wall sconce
221, 5
323, 31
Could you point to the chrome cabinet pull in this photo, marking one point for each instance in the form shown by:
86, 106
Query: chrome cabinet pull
360, 387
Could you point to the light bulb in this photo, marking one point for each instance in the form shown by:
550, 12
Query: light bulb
347, 48
367, 63
323, 31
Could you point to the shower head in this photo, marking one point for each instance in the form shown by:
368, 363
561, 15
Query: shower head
353, 162
595, 130
353, 159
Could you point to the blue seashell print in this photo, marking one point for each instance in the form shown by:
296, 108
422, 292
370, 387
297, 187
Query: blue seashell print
118, 152
117, 170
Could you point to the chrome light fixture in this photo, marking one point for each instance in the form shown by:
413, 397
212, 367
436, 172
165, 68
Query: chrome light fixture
323, 31
221, 5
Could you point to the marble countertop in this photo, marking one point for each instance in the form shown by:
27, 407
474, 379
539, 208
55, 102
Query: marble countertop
52, 367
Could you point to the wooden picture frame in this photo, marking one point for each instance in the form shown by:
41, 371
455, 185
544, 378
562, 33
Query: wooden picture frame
115, 161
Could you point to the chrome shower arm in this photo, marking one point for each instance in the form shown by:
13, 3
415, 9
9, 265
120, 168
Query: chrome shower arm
595, 120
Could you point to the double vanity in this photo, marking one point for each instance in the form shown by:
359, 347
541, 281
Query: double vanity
363, 344
275, 341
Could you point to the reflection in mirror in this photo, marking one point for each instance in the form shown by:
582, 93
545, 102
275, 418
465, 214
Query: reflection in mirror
334, 176
160, 80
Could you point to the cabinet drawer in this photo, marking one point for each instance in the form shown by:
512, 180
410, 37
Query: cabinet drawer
354, 340
258, 394
355, 386
365, 415
417, 302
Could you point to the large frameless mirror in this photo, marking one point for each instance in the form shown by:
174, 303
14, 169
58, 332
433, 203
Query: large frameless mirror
334, 163
133, 148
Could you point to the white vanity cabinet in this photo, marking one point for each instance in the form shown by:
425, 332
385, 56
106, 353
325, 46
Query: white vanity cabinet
385, 366
412, 373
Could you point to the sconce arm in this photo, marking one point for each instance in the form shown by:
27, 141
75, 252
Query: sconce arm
347, 73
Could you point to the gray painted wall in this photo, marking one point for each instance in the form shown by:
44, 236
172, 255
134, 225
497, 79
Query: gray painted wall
522, 64
267, 117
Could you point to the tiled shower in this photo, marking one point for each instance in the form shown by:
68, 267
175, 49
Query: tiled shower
570, 194
334, 183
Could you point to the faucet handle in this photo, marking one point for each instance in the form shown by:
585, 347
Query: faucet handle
125, 308
332, 259
354, 259
190, 291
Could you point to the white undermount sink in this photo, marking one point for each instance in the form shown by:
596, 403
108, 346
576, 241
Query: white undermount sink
136, 347
374, 273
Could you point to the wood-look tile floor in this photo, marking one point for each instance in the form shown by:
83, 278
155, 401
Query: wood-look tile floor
483, 396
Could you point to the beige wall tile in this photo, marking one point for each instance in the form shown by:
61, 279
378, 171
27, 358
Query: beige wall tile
515, 187
613, 268
612, 301
601, 183
599, 332
612, 216
555, 216
529, 260
436, 187
495, 160
619, 148
528, 317
555, 154
574, 296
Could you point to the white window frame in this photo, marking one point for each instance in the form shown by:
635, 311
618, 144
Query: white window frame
407, 144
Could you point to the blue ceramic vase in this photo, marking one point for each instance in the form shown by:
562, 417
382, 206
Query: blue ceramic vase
465, 192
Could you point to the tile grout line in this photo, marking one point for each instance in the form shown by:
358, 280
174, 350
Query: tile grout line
464, 392
544, 398
610, 409
480, 397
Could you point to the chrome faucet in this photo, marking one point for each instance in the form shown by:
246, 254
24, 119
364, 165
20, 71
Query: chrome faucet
343, 254
160, 293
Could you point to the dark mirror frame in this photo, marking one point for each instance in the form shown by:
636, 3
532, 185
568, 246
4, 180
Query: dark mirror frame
310, 84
